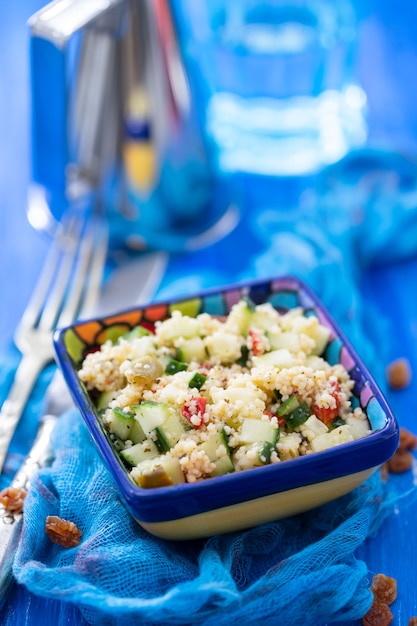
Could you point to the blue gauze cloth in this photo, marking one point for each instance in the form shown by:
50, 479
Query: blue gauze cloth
303, 570
291, 568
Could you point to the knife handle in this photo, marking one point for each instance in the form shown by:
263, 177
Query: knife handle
11, 523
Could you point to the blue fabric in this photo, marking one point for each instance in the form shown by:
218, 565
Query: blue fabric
302, 570
291, 568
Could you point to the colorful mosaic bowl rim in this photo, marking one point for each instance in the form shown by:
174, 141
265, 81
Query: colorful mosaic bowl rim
179, 501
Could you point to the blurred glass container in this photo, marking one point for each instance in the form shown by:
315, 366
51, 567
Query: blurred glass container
115, 129
275, 81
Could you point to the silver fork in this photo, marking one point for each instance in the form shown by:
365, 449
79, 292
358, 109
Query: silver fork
67, 288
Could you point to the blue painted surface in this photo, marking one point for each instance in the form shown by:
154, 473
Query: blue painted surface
389, 71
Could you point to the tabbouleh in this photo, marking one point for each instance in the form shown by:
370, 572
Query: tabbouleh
206, 396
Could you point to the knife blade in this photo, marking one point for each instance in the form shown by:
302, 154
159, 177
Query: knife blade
118, 293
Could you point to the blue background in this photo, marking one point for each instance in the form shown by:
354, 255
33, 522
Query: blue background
388, 72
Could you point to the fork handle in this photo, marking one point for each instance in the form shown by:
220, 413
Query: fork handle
26, 375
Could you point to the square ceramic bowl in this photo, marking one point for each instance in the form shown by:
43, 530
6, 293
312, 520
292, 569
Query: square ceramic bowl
242, 499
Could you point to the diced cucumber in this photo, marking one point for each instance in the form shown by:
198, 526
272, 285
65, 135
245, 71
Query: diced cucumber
120, 423
179, 326
125, 426
311, 327
313, 427
298, 416
160, 423
289, 405
333, 438
321, 338
234, 394
225, 346
276, 358
287, 339
253, 430
144, 451
174, 366
192, 350
241, 316
137, 433
197, 380
158, 472
213, 443
245, 315
213, 447
224, 465
105, 398
151, 414
165, 357
169, 432
258, 453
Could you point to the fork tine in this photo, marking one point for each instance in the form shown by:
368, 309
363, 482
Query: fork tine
67, 252
87, 274
71, 277
35, 305
93, 284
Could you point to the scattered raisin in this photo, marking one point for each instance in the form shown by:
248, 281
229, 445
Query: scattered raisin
384, 588
62, 531
399, 373
408, 441
12, 499
401, 461
378, 615
412, 621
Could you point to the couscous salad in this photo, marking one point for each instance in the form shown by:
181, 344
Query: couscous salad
205, 396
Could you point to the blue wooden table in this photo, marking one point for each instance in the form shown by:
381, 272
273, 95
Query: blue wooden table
390, 78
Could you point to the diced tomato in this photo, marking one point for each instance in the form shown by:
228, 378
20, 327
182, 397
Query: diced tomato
281, 420
257, 343
194, 410
327, 414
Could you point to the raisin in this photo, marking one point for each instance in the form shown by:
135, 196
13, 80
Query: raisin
384, 588
378, 615
399, 373
401, 461
408, 441
62, 531
412, 621
12, 499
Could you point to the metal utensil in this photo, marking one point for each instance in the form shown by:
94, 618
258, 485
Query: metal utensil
147, 273
58, 400
118, 292
67, 288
